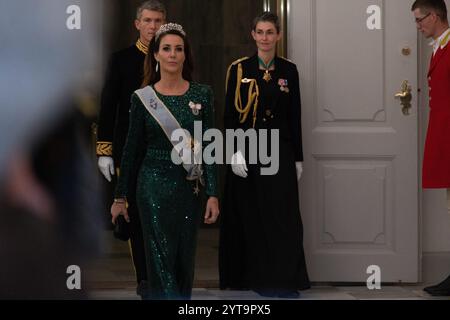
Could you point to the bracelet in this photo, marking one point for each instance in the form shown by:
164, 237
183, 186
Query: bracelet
122, 201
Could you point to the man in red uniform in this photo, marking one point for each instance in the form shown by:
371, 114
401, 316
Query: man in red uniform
431, 20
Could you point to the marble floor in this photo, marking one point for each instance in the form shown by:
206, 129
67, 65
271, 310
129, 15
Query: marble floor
111, 277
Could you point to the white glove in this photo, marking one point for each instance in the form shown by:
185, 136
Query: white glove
106, 166
238, 165
299, 167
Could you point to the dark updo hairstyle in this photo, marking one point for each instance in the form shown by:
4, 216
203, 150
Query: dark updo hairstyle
267, 17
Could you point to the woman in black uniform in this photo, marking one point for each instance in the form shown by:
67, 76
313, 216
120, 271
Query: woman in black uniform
261, 245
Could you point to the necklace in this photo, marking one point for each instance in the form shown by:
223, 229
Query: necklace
267, 77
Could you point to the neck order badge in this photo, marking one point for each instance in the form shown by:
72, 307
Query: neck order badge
267, 77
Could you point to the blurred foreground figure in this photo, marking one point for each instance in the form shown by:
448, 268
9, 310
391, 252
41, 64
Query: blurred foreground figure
48, 195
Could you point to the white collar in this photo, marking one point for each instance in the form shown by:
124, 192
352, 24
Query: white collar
439, 41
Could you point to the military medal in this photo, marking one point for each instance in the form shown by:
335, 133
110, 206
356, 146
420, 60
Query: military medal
283, 85
285, 89
267, 77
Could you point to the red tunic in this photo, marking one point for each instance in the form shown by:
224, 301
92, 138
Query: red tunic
436, 162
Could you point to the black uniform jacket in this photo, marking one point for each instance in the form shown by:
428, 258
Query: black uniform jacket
124, 76
279, 103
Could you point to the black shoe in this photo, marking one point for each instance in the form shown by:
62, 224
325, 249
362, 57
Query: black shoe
294, 294
284, 294
440, 293
266, 293
443, 286
430, 289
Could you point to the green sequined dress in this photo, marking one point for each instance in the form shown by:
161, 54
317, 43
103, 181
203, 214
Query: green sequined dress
170, 211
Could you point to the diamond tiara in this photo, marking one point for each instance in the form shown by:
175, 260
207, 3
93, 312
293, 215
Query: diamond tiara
169, 27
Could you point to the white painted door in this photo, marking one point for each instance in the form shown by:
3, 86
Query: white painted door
359, 192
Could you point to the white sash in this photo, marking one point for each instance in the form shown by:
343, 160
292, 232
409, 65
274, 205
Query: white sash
169, 124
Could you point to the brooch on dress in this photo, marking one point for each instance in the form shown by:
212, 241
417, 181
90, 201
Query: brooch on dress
283, 85
195, 108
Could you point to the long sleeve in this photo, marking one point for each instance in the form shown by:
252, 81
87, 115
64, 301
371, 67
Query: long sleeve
295, 117
208, 123
134, 146
108, 109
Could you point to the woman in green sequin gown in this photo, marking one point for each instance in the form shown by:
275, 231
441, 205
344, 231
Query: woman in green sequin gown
170, 210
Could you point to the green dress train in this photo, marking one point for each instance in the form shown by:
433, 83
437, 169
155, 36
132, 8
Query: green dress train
169, 209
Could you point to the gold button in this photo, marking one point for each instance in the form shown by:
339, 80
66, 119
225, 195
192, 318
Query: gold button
268, 113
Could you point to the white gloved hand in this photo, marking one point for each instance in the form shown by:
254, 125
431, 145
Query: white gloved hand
299, 167
106, 166
238, 165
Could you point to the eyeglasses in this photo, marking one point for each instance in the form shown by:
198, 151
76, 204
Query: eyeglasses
419, 20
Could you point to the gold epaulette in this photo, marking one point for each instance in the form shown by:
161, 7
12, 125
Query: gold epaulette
104, 149
445, 41
229, 69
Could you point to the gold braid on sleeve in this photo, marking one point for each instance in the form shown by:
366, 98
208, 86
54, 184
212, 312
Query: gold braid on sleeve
252, 101
104, 148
